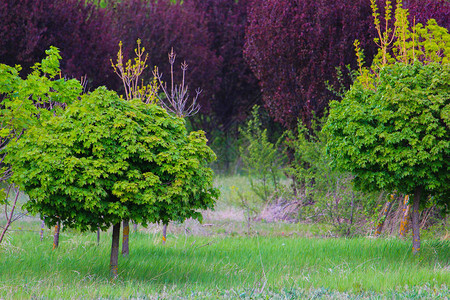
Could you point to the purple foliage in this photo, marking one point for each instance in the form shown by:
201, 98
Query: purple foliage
161, 26
424, 10
80, 30
293, 46
238, 87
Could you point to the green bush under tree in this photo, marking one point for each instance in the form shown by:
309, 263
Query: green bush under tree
105, 159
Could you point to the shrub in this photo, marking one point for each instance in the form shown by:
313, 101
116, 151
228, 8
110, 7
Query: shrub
261, 158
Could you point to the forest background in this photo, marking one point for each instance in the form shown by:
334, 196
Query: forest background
267, 70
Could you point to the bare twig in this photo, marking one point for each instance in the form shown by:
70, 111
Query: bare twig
10, 217
177, 98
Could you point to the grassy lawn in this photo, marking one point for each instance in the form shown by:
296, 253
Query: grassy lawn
221, 266
219, 260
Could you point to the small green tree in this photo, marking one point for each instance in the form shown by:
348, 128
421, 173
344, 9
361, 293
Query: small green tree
106, 159
261, 157
392, 129
327, 194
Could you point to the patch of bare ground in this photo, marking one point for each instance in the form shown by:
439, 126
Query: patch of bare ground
280, 210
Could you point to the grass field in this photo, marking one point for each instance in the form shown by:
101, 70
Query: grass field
221, 266
219, 260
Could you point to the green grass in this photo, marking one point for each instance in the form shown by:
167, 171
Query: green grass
282, 261
222, 267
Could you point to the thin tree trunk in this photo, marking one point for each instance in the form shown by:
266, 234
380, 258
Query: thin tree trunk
126, 238
10, 217
404, 224
387, 208
294, 186
164, 237
42, 230
98, 236
351, 215
56, 235
113, 265
415, 221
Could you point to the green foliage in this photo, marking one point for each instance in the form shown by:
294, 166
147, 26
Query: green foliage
27, 102
397, 136
427, 44
328, 194
261, 157
106, 159
31, 101
391, 130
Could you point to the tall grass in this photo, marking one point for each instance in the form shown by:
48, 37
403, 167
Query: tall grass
281, 261
198, 264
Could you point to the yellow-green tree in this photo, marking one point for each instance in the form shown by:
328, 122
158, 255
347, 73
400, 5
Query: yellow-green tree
105, 160
392, 129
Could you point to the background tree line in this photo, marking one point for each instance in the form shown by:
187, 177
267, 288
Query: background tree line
293, 57
276, 53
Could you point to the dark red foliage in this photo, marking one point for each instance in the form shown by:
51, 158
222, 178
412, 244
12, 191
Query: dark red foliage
161, 26
238, 87
293, 46
80, 30
424, 10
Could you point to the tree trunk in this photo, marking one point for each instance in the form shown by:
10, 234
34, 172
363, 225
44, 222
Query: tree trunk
56, 235
405, 218
10, 217
42, 230
387, 208
98, 236
164, 234
415, 221
126, 238
113, 265
351, 215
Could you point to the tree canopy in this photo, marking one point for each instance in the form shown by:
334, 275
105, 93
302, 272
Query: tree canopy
392, 130
396, 137
105, 159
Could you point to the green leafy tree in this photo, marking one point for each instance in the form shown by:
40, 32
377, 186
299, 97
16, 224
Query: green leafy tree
392, 129
29, 102
106, 159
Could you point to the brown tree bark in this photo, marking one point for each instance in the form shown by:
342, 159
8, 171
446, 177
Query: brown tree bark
404, 223
415, 220
113, 265
56, 235
164, 234
126, 238
387, 208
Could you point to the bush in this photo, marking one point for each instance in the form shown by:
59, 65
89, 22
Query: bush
327, 194
261, 158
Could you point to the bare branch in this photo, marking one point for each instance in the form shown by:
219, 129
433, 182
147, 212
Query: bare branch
178, 98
